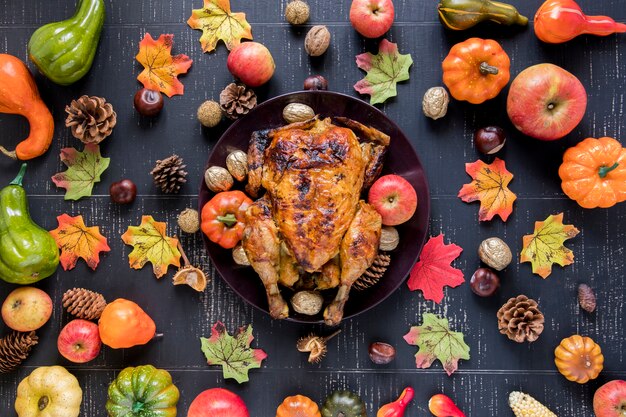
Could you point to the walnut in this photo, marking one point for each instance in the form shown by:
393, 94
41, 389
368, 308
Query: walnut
237, 164
435, 102
307, 302
495, 253
218, 179
297, 112
317, 40
389, 239
239, 256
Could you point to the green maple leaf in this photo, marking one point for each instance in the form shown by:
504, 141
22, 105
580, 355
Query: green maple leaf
436, 341
384, 71
83, 171
232, 352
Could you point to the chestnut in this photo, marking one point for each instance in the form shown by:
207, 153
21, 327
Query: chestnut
315, 82
123, 192
381, 353
148, 102
490, 139
484, 282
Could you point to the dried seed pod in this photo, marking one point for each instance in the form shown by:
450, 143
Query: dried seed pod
210, 113
586, 298
189, 221
297, 12
389, 239
218, 179
435, 102
189, 274
239, 256
307, 302
315, 345
317, 40
237, 165
495, 253
297, 112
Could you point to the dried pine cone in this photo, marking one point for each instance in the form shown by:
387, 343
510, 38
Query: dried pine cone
169, 174
520, 319
374, 273
586, 298
91, 119
237, 100
14, 349
84, 304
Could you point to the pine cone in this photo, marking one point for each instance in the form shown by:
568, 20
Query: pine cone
84, 304
14, 349
520, 319
374, 273
586, 298
91, 119
237, 100
169, 174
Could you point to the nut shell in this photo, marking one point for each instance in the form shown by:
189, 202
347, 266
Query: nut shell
317, 40
218, 179
239, 256
297, 112
307, 302
297, 12
237, 165
495, 253
435, 102
192, 276
389, 239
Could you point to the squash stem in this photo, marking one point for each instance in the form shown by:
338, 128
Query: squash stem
603, 171
229, 220
137, 407
486, 69
20, 176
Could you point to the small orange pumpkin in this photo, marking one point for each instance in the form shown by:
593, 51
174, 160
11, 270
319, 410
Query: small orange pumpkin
593, 173
298, 406
476, 70
579, 359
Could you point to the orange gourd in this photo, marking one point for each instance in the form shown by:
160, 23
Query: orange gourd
19, 95
579, 359
593, 173
476, 70
124, 324
298, 406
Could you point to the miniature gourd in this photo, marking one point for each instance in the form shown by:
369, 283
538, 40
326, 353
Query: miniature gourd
298, 406
343, 404
49, 391
464, 14
123, 324
579, 359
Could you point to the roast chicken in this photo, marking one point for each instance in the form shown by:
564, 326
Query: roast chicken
310, 228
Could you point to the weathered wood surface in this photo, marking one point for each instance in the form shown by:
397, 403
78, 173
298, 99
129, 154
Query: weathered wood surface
497, 366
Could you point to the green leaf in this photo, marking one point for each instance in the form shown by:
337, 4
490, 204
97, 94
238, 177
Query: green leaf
232, 352
384, 71
83, 171
436, 341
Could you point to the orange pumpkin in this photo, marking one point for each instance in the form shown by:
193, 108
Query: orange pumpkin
476, 70
298, 406
593, 173
579, 359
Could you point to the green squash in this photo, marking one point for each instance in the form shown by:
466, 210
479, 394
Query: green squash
64, 51
343, 404
464, 14
144, 391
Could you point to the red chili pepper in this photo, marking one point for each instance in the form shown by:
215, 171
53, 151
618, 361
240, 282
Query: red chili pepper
223, 218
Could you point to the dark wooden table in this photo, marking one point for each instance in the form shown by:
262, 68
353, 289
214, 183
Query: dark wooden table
497, 366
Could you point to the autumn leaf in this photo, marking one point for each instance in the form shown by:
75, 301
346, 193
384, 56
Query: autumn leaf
83, 171
161, 69
433, 271
384, 71
546, 245
490, 186
217, 22
436, 341
75, 240
232, 352
151, 244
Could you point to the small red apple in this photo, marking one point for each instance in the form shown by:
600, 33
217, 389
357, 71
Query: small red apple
546, 102
79, 341
26, 309
251, 63
372, 18
610, 399
218, 402
394, 198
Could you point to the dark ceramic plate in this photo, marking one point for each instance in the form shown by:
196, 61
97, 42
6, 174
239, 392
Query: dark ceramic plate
401, 159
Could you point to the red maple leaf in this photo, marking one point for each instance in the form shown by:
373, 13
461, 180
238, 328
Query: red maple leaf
433, 271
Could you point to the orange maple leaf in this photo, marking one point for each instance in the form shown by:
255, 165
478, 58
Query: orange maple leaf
78, 241
490, 186
161, 69
217, 22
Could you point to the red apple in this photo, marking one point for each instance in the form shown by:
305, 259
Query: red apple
394, 198
26, 309
610, 399
251, 63
546, 102
372, 18
79, 341
218, 402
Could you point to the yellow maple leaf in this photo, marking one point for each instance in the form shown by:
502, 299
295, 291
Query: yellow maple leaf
151, 244
545, 246
75, 240
217, 22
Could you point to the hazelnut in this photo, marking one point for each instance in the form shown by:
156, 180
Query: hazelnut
495, 253
237, 165
297, 12
307, 302
218, 179
209, 113
389, 238
317, 40
239, 256
297, 112
189, 221
490, 139
435, 102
